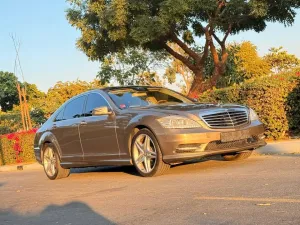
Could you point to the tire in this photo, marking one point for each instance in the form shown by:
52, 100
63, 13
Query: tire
51, 163
147, 160
237, 156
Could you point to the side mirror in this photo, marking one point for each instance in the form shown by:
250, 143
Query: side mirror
101, 111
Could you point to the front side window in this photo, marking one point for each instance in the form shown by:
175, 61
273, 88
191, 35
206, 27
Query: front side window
94, 101
144, 96
74, 108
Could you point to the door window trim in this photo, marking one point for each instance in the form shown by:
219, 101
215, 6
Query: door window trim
71, 100
95, 92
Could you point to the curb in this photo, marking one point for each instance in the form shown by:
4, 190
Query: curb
20, 167
280, 148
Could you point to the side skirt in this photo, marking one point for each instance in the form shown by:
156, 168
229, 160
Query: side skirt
118, 162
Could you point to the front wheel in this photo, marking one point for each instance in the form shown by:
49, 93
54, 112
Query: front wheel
237, 156
146, 154
52, 165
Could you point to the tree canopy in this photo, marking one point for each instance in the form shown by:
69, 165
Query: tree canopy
8, 91
131, 67
112, 26
280, 60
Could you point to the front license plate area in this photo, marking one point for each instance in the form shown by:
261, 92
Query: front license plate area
235, 135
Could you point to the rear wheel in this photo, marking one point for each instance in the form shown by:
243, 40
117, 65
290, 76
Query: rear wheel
51, 164
237, 156
146, 154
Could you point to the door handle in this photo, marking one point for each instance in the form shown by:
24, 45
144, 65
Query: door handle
83, 123
54, 126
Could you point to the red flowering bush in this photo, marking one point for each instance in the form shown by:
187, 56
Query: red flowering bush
17, 147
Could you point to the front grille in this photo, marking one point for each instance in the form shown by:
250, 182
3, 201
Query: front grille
218, 145
226, 119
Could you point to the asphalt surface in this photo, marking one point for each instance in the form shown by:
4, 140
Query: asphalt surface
259, 190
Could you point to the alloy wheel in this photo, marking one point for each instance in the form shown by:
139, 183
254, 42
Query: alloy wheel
50, 162
144, 153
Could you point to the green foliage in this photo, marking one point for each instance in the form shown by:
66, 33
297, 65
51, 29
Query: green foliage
8, 91
26, 143
243, 63
248, 63
38, 117
293, 109
10, 122
109, 27
280, 60
17, 147
7, 152
128, 67
274, 98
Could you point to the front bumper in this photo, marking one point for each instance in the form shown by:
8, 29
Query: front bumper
179, 145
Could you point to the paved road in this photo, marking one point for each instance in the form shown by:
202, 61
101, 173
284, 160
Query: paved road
260, 190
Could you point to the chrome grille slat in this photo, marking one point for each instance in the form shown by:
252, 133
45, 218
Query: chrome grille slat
227, 118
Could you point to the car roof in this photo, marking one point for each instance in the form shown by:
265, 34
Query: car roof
107, 89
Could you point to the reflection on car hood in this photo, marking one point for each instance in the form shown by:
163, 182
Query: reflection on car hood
189, 107
192, 108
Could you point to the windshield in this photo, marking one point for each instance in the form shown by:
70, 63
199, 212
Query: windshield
145, 96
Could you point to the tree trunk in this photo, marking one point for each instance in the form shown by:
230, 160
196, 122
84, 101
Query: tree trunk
219, 70
197, 86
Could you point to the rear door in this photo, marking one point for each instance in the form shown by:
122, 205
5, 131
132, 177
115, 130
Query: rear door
66, 130
98, 133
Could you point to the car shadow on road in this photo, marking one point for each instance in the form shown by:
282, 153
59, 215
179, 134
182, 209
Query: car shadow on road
107, 169
131, 169
75, 213
204, 159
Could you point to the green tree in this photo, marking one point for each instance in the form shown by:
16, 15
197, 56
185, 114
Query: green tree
280, 60
243, 63
130, 67
8, 91
112, 26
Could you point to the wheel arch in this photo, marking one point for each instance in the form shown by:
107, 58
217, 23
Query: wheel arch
48, 138
134, 130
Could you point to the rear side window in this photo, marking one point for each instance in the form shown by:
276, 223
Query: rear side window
94, 101
74, 108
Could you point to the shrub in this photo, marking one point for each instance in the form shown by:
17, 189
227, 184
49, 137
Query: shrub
275, 98
17, 147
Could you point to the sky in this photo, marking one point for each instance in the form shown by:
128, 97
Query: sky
48, 50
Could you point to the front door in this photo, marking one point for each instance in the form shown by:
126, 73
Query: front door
65, 129
98, 133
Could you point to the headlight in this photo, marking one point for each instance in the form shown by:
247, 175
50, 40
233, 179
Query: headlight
253, 115
177, 122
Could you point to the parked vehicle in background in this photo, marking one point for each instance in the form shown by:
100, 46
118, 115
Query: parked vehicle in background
148, 127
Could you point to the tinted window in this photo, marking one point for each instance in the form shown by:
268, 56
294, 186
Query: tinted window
140, 96
59, 116
74, 108
94, 101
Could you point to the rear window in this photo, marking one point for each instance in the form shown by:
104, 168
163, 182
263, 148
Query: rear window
59, 116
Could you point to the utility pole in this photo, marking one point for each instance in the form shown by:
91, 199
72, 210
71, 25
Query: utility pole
26, 121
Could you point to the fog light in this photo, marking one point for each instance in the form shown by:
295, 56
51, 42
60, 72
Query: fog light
189, 148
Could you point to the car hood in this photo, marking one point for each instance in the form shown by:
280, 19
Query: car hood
194, 108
